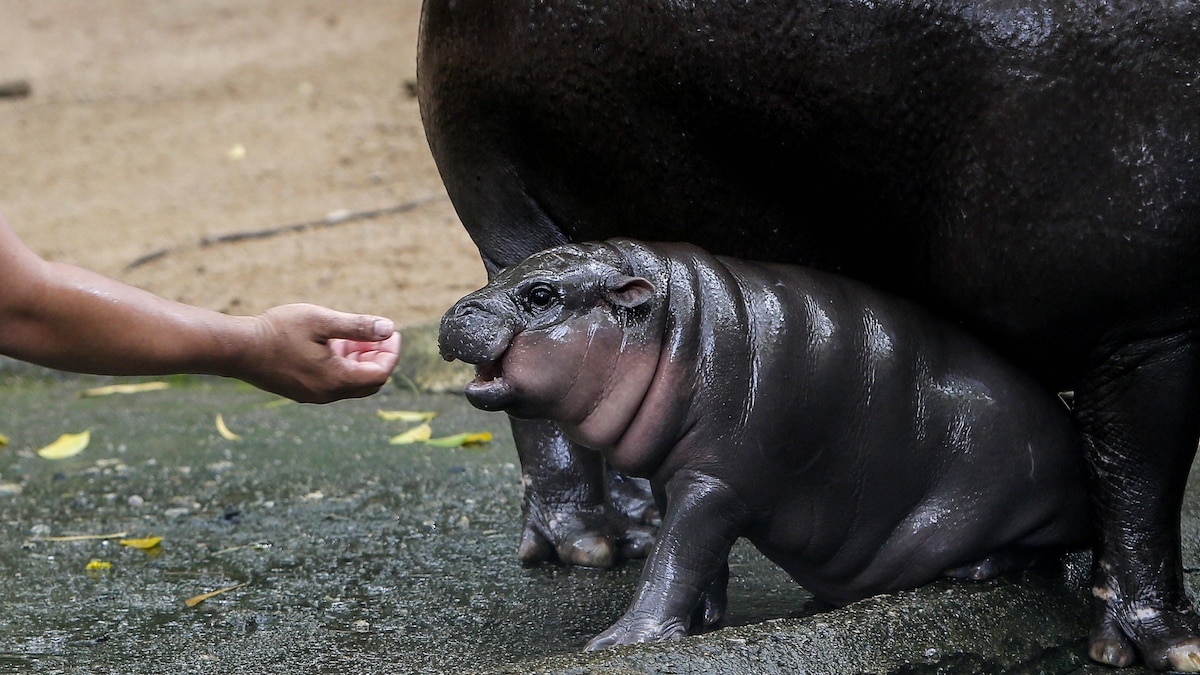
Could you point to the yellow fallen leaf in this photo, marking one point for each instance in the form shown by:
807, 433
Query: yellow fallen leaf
193, 601
147, 543
124, 389
3, 440
460, 440
67, 445
405, 416
416, 434
224, 430
98, 565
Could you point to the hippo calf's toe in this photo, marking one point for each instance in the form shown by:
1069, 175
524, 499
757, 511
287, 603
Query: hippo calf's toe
859, 442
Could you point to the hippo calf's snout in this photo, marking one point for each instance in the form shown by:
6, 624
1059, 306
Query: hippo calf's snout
472, 333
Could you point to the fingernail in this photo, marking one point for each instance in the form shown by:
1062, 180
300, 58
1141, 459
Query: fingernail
384, 328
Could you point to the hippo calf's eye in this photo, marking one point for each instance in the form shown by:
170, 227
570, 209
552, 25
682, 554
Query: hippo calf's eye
541, 296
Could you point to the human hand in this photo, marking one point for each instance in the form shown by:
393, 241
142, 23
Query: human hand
315, 355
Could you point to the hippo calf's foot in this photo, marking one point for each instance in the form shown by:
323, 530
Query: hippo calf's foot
634, 630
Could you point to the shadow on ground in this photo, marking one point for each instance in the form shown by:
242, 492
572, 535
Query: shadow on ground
356, 556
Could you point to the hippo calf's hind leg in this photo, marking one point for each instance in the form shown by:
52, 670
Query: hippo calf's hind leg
633, 496
990, 567
568, 512
1139, 412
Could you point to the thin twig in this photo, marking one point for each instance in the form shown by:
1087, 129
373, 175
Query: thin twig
328, 221
15, 89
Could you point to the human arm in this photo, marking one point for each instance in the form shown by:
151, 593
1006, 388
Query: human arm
66, 317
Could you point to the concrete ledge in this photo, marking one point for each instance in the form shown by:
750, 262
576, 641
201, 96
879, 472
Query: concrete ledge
1036, 624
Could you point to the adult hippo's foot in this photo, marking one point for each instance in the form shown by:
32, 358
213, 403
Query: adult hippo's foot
572, 512
1162, 633
1109, 643
1140, 414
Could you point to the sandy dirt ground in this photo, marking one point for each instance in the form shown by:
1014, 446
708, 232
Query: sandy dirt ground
156, 135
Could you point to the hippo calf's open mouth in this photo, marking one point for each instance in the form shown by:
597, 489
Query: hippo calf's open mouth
489, 390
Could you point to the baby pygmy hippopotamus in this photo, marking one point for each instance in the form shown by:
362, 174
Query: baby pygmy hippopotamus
859, 442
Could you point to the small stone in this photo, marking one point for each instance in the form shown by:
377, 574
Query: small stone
360, 626
40, 530
10, 489
135, 501
176, 512
220, 467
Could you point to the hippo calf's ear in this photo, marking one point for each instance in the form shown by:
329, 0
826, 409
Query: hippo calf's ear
629, 292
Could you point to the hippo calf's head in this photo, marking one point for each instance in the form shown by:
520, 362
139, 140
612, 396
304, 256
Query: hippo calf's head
548, 335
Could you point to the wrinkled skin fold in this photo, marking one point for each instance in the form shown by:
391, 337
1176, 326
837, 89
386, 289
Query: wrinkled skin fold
859, 442
1027, 168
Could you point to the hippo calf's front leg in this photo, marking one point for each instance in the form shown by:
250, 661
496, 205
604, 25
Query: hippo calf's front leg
686, 575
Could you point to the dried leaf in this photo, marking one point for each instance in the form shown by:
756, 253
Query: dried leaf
124, 389
193, 601
460, 440
83, 537
224, 430
95, 565
144, 544
405, 416
67, 445
416, 434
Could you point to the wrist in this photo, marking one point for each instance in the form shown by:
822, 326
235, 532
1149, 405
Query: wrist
233, 348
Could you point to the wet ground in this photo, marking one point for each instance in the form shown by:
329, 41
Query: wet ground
355, 556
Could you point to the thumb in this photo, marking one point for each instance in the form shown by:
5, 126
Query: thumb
362, 327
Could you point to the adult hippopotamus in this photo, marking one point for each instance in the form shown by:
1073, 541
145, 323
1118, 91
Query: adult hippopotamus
858, 442
1029, 168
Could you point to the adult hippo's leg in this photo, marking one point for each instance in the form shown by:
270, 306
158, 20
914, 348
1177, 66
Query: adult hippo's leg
1140, 414
569, 510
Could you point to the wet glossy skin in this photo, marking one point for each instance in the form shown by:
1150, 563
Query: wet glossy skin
1028, 168
726, 384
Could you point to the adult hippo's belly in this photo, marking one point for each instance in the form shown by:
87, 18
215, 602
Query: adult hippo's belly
1029, 169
